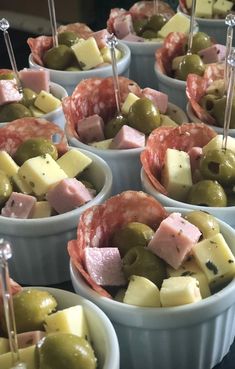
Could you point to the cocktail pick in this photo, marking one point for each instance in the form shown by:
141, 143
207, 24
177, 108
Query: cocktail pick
51, 6
4, 25
112, 43
192, 21
230, 22
229, 95
5, 254
155, 6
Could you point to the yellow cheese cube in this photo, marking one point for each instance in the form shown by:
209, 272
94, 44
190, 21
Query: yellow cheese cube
4, 345
40, 173
191, 268
73, 162
131, 98
106, 54
167, 121
176, 174
46, 102
216, 259
222, 7
26, 356
71, 320
7, 164
189, 4
179, 291
21, 185
216, 144
37, 113
142, 292
204, 8
88, 53
102, 145
42, 209
178, 22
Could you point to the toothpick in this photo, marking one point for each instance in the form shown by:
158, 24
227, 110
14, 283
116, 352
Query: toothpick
51, 6
192, 21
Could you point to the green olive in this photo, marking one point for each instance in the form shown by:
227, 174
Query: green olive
148, 33
200, 41
29, 97
139, 26
113, 126
218, 165
189, 64
144, 116
207, 102
7, 76
13, 111
5, 187
59, 58
156, 22
130, 235
218, 112
65, 351
206, 223
73, 69
35, 147
119, 296
140, 261
67, 38
207, 193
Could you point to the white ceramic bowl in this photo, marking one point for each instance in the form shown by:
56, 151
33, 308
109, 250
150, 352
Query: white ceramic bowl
69, 80
103, 336
192, 336
193, 118
40, 245
125, 164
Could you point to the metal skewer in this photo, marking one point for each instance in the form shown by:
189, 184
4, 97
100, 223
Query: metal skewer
192, 21
4, 25
230, 22
155, 6
5, 254
51, 6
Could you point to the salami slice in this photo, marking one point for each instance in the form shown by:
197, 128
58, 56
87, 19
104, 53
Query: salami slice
95, 96
183, 7
145, 9
5, 71
183, 138
14, 133
98, 223
115, 12
80, 29
38, 46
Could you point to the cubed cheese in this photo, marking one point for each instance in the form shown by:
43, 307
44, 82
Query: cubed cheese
102, 145
37, 113
27, 356
215, 259
46, 102
21, 185
222, 7
204, 8
42, 209
176, 174
106, 53
4, 345
167, 121
73, 162
174, 24
179, 291
88, 53
216, 143
189, 4
130, 99
41, 172
216, 88
7, 164
142, 292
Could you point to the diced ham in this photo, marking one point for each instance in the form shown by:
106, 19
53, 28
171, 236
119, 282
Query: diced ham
123, 25
68, 195
128, 138
9, 92
133, 38
104, 265
213, 54
159, 99
19, 205
195, 154
91, 129
29, 338
174, 239
35, 79
101, 37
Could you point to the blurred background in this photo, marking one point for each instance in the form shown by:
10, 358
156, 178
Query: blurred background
31, 20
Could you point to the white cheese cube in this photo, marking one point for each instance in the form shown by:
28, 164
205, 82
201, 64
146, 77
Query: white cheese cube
27, 356
73, 162
106, 54
42, 209
46, 102
130, 99
222, 7
4, 345
179, 291
191, 268
21, 185
178, 22
102, 145
88, 53
176, 174
204, 8
215, 259
71, 320
167, 121
41, 173
216, 144
7, 164
141, 292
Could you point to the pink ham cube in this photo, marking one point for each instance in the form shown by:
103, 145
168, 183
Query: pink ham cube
9, 92
174, 239
27, 339
123, 25
68, 195
128, 138
91, 129
213, 54
104, 265
195, 154
19, 205
35, 79
101, 37
133, 38
159, 99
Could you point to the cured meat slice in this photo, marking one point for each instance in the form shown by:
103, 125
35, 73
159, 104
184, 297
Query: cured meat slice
98, 223
115, 12
38, 46
14, 133
80, 29
95, 96
183, 7
183, 138
145, 9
